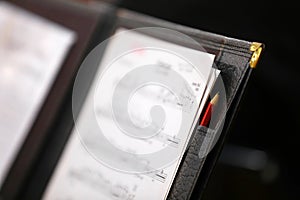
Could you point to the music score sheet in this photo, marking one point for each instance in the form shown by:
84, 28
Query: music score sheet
32, 50
79, 175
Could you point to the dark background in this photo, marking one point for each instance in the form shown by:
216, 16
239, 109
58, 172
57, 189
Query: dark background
260, 158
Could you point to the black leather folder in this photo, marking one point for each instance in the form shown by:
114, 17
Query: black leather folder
236, 59
88, 24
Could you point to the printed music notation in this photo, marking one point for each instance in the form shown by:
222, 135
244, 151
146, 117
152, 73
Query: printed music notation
79, 174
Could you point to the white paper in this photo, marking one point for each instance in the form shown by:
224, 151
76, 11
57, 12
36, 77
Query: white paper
78, 175
32, 50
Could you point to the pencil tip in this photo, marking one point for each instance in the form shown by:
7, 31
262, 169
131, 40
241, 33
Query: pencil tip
215, 100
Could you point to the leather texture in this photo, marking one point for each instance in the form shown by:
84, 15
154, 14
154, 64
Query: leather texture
193, 162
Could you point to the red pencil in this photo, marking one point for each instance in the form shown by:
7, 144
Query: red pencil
207, 115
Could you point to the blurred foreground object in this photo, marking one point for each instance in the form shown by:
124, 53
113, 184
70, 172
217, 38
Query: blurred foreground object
32, 50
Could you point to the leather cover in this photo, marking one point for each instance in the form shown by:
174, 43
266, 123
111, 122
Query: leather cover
87, 23
191, 167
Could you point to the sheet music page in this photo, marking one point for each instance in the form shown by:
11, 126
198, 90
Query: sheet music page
32, 50
80, 175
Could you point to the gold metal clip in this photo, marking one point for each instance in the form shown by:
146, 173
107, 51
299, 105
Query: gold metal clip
256, 48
